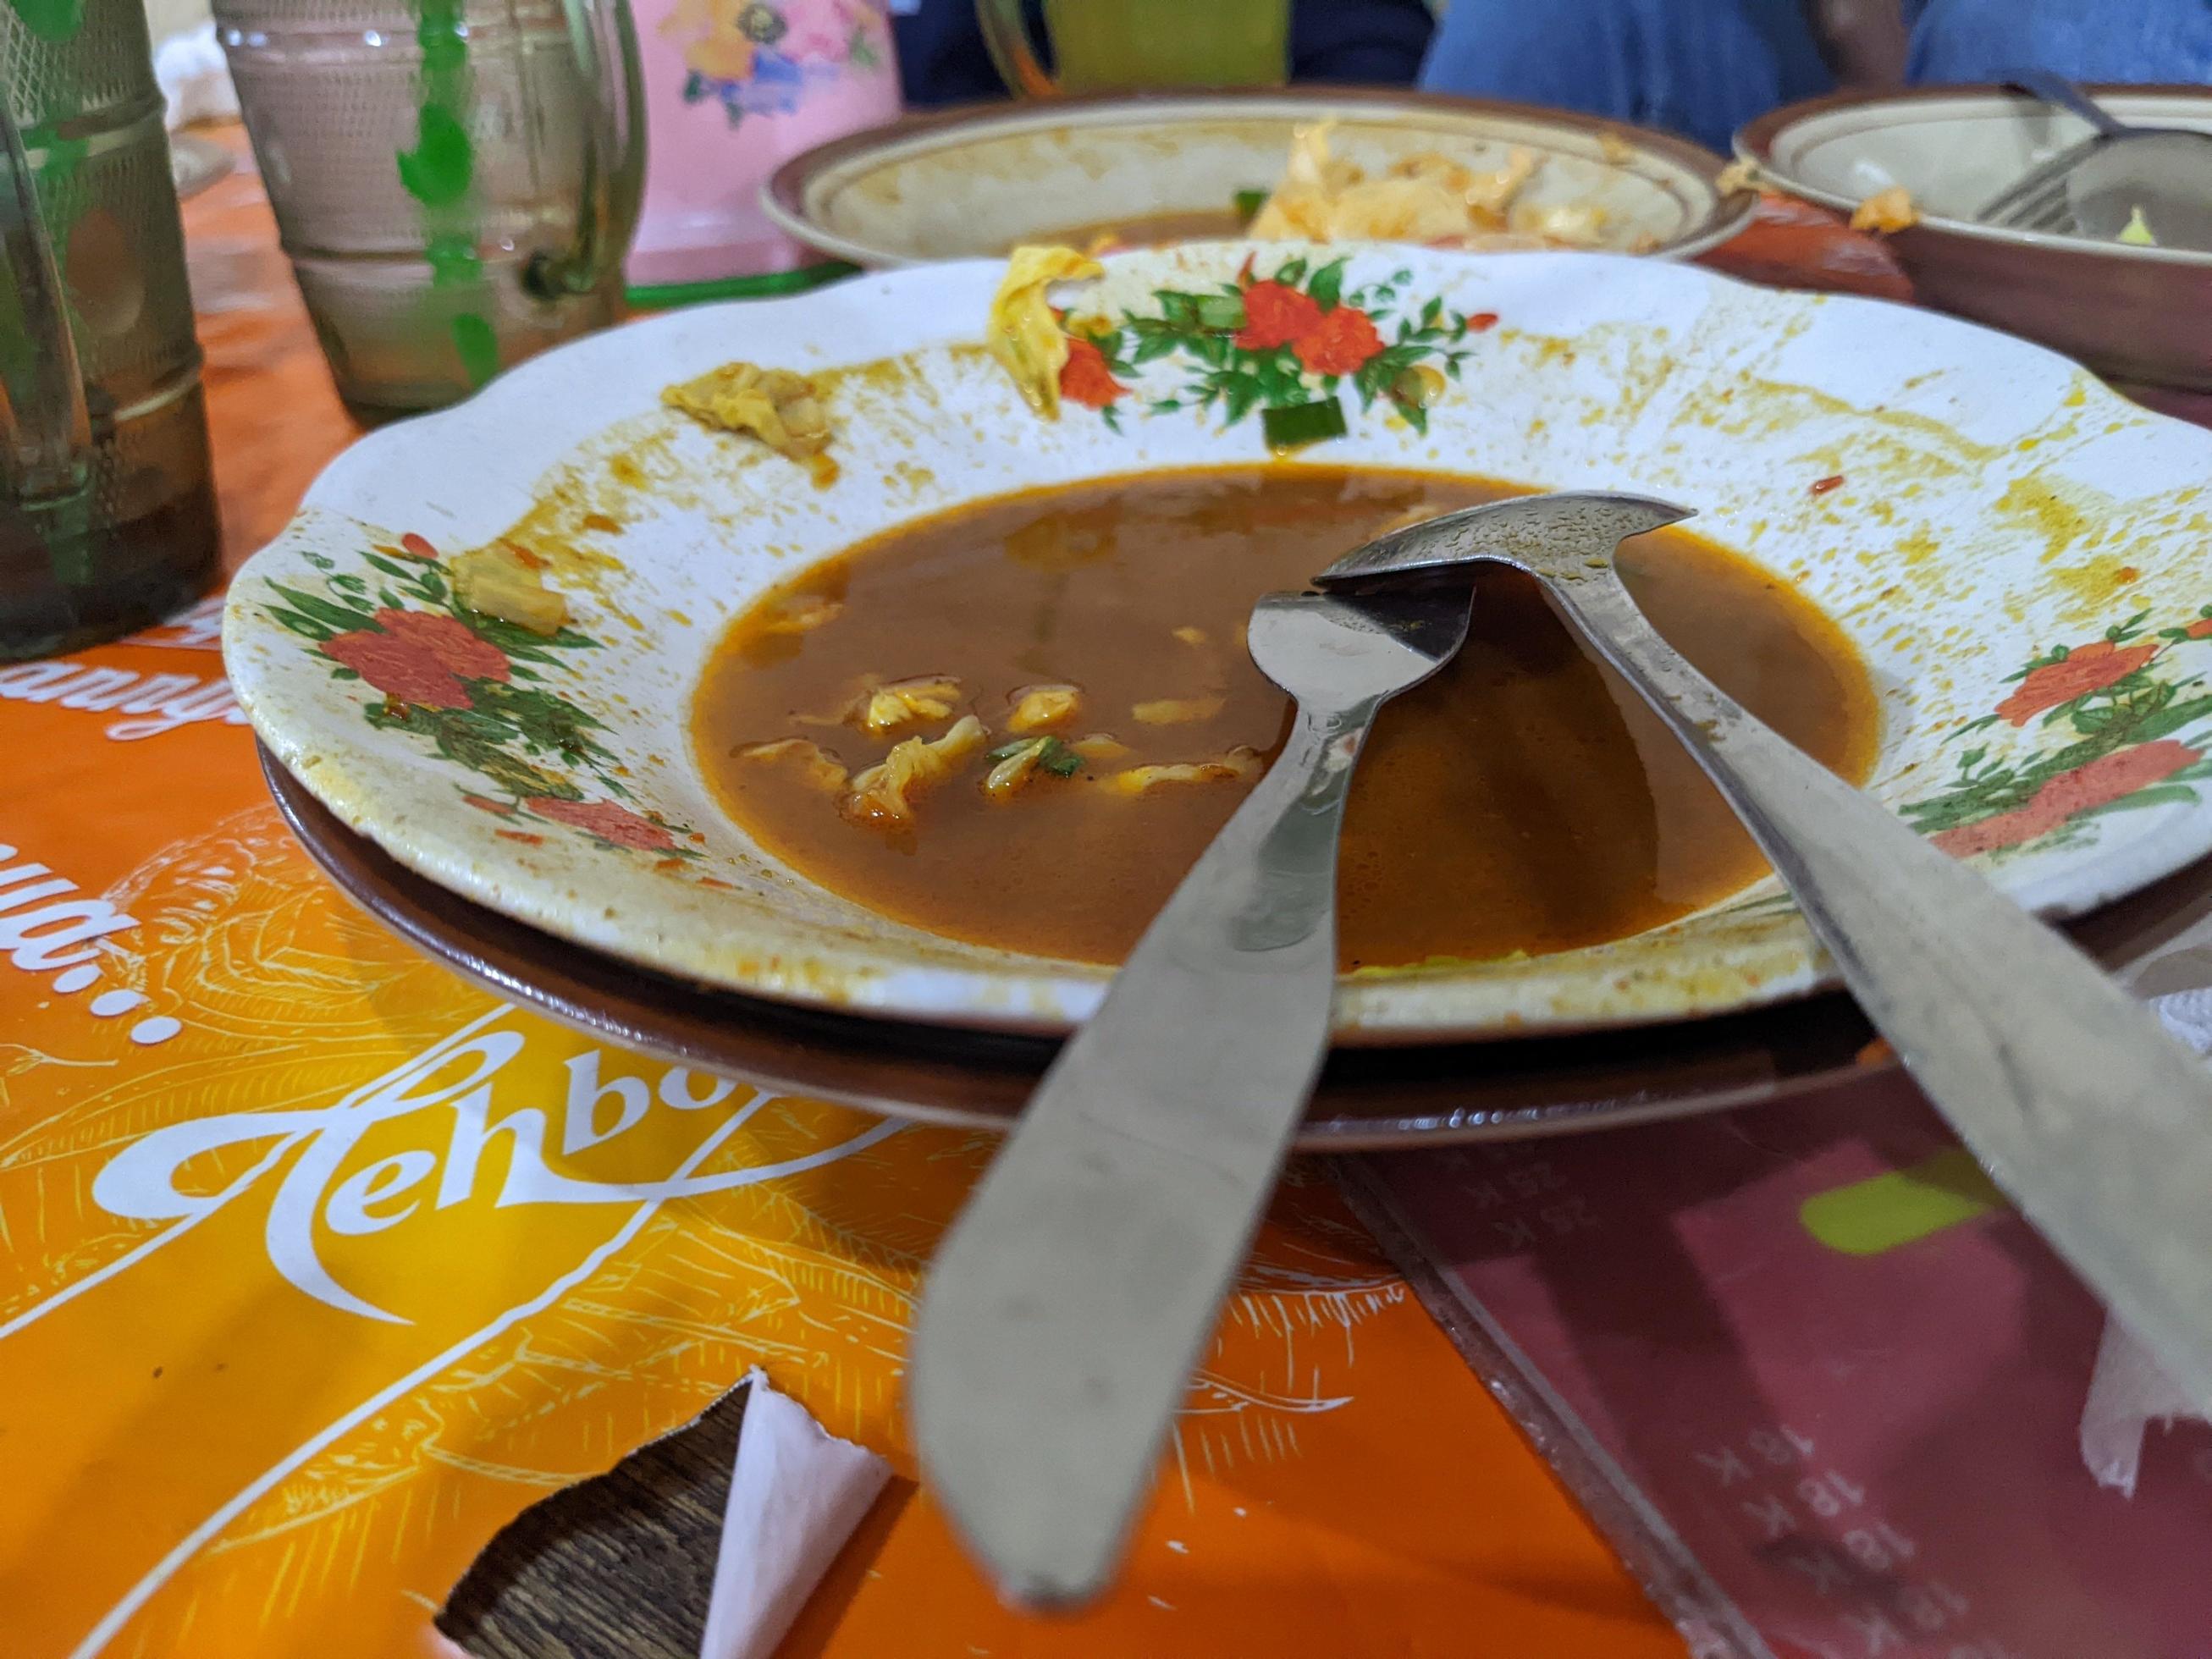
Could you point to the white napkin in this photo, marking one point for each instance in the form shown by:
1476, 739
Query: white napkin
796, 1493
2127, 1390
190, 68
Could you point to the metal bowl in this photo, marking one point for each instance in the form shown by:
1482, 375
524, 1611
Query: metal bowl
2142, 314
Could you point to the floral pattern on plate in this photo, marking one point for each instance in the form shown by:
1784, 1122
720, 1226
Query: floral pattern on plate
2121, 704
1293, 337
473, 687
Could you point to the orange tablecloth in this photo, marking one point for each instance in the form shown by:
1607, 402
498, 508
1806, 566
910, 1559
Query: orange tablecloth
253, 1400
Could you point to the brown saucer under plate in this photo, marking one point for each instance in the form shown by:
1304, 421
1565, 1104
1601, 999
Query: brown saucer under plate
1368, 1097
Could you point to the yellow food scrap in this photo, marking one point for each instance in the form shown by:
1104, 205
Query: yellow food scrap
1025, 336
1428, 198
1176, 711
1419, 386
502, 580
1101, 746
1737, 175
1568, 224
1886, 210
1143, 780
1040, 707
885, 709
801, 613
2137, 233
1015, 770
822, 769
781, 408
1191, 636
881, 795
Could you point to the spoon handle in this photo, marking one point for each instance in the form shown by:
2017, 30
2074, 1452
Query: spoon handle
2067, 1089
2060, 93
1067, 1306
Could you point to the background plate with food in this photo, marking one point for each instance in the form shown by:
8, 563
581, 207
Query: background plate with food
815, 649
1165, 167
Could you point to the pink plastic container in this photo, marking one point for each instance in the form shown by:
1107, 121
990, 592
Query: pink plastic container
732, 89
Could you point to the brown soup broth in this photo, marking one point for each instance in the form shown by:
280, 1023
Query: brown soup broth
1522, 800
1147, 230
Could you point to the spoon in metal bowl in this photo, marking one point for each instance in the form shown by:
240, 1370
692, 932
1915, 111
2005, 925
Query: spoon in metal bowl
2159, 179
2066, 1089
1069, 1302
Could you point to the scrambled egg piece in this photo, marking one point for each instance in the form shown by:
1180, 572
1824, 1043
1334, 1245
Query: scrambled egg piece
881, 794
802, 613
1101, 746
505, 582
822, 769
1018, 763
1738, 174
780, 407
885, 709
1176, 711
1025, 336
1428, 198
1043, 705
1191, 636
1142, 780
1886, 210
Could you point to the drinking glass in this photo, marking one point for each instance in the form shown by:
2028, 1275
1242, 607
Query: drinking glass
1102, 45
107, 517
455, 180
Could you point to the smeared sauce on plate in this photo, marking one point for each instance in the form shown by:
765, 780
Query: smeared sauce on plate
1523, 800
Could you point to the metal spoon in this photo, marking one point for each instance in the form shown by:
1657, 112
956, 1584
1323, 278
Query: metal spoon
2096, 188
2065, 1088
1068, 1305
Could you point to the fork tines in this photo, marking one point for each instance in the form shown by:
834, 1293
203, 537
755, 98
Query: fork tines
2038, 201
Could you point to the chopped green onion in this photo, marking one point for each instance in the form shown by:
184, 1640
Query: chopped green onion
1052, 755
2137, 231
1303, 423
1248, 204
1221, 312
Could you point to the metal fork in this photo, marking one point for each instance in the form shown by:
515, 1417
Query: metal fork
2086, 188
1069, 1302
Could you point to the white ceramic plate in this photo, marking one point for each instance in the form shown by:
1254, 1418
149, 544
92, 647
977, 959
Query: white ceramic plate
976, 182
2019, 553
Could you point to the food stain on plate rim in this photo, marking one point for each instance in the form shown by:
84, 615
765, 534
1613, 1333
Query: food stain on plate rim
2015, 552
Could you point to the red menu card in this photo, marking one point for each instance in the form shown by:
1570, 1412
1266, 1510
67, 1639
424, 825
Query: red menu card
1822, 1389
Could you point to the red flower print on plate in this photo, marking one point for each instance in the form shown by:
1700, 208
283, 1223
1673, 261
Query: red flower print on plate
607, 820
1084, 379
1275, 315
2100, 783
458, 647
2086, 668
1341, 344
399, 667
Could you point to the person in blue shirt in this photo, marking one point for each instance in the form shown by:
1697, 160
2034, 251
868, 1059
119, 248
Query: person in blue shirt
942, 59
1702, 68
